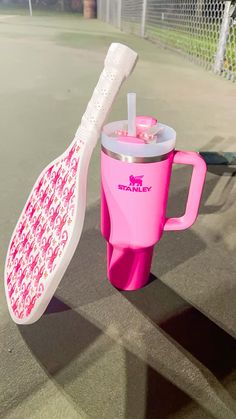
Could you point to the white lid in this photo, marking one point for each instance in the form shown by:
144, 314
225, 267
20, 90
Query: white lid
165, 143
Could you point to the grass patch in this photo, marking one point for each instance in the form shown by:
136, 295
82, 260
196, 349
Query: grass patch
202, 48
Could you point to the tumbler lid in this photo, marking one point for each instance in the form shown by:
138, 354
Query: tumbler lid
113, 140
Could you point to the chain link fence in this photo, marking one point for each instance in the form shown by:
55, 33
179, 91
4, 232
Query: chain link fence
204, 30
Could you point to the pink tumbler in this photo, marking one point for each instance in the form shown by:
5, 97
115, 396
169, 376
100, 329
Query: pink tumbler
135, 178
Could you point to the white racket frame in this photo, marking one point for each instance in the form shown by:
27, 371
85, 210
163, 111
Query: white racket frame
119, 63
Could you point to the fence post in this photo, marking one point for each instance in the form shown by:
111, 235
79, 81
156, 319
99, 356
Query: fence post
108, 11
30, 8
99, 9
224, 33
143, 22
119, 11
102, 10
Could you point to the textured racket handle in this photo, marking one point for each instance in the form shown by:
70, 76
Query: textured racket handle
119, 63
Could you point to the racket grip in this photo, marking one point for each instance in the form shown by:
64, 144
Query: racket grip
119, 63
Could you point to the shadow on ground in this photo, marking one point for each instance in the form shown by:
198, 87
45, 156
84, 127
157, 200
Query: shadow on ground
68, 345
193, 332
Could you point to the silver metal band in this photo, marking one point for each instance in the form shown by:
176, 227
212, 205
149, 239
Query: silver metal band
133, 159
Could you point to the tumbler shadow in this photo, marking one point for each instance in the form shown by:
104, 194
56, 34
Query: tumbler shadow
60, 342
67, 344
194, 334
63, 340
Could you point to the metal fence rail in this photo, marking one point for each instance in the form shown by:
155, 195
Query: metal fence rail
204, 30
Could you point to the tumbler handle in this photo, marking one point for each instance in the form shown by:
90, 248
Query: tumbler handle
195, 190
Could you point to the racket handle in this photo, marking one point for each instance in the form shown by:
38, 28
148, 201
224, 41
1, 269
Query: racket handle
119, 63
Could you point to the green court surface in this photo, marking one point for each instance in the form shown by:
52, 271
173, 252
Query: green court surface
166, 350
